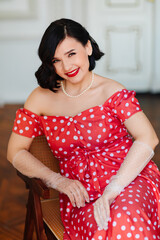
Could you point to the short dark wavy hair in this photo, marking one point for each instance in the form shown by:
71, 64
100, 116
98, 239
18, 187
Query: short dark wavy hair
54, 34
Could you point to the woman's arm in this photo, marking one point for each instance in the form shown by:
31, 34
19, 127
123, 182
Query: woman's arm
18, 142
34, 103
30, 166
137, 158
141, 129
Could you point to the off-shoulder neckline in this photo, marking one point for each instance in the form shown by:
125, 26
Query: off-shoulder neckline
78, 114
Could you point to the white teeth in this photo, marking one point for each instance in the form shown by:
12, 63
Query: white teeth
72, 72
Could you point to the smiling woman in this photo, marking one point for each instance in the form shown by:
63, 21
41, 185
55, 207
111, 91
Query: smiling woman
73, 62
109, 186
71, 41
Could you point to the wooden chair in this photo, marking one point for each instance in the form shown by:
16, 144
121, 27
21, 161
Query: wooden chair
43, 211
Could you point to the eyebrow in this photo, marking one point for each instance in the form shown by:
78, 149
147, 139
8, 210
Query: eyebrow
65, 53
69, 51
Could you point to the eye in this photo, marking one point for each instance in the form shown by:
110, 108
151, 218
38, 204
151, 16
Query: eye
71, 54
55, 61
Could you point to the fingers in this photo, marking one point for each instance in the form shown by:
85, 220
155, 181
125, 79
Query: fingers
76, 193
80, 194
97, 215
84, 192
76, 196
102, 213
71, 198
79, 197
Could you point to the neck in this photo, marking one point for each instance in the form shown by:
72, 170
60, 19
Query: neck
75, 88
80, 92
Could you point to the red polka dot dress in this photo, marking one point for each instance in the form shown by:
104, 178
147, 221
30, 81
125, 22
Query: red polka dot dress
91, 147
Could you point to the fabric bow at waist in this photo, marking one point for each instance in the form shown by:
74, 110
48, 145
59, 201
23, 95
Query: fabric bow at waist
83, 165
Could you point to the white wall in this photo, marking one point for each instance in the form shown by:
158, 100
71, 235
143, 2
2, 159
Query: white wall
19, 39
156, 63
20, 34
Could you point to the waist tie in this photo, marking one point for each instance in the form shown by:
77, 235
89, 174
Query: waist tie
83, 165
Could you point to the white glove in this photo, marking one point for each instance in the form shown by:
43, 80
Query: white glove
30, 166
137, 158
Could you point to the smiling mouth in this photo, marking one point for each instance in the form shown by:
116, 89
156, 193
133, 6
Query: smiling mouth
73, 73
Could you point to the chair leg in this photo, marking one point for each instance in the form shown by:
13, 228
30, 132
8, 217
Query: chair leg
49, 234
29, 222
38, 217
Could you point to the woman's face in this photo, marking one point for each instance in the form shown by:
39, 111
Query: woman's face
71, 59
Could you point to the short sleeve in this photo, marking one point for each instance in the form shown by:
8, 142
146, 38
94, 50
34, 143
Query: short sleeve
27, 124
124, 104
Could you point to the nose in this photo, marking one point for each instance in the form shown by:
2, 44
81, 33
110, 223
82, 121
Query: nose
66, 65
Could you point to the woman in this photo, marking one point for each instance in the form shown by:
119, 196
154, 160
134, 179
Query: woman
110, 188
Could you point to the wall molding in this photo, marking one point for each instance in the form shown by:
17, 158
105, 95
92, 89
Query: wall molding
155, 87
12, 10
136, 30
122, 3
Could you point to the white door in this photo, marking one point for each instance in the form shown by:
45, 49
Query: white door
124, 29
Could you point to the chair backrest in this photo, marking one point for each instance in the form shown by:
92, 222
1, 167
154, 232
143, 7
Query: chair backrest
40, 149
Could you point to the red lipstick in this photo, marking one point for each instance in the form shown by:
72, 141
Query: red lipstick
73, 73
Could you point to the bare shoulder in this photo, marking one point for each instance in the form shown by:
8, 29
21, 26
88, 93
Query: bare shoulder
108, 85
37, 100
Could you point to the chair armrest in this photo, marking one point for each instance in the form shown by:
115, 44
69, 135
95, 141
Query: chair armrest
37, 185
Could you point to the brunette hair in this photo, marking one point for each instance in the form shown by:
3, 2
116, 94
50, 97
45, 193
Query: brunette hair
54, 34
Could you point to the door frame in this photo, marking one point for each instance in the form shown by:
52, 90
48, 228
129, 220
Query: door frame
81, 13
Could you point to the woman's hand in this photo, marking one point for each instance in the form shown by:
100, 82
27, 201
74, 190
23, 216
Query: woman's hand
102, 211
102, 208
74, 189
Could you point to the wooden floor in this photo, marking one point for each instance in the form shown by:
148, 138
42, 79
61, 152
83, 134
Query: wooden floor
13, 195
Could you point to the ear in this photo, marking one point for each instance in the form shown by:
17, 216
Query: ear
88, 47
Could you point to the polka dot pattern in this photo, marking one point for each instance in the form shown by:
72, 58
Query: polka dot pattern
91, 147
27, 124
